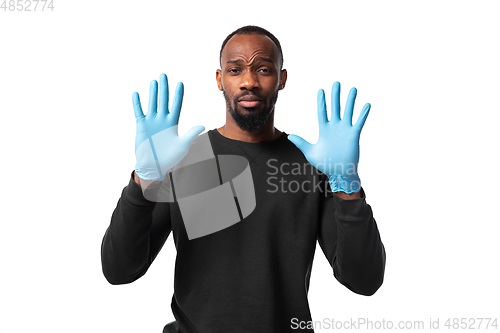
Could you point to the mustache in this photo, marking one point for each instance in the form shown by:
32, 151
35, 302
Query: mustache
245, 93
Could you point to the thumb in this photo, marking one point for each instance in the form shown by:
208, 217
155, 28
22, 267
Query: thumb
302, 144
193, 133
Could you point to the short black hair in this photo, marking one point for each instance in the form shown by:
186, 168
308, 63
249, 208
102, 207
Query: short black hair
248, 30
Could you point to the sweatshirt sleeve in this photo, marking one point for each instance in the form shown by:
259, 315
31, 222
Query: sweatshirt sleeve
349, 238
137, 232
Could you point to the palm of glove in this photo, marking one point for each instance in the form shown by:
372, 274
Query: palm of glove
158, 146
337, 149
336, 153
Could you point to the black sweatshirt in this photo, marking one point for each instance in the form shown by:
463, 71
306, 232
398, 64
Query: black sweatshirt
254, 275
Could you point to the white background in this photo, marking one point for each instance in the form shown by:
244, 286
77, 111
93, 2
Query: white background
429, 156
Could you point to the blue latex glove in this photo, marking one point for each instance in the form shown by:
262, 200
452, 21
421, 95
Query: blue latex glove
336, 153
158, 146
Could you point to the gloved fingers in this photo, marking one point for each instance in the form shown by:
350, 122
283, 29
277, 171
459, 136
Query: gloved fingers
335, 102
153, 99
175, 111
302, 144
136, 102
349, 107
362, 117
192, 134
322, 112
163, 95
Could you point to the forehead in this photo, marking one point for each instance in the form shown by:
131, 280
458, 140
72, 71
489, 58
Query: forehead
248, 47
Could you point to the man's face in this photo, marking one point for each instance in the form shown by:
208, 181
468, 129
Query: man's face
250, 78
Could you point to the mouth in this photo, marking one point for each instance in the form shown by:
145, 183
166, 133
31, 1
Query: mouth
249, 101
249, 104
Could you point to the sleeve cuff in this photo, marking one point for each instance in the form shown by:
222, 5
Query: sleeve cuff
133, 193
354, 210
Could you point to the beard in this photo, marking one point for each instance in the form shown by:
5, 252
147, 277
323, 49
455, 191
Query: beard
255, 120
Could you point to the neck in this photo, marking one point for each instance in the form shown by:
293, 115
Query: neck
267, 132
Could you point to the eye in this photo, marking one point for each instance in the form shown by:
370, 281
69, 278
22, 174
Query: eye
264, 70
233, 70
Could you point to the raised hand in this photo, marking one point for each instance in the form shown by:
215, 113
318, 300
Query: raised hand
158, 146
336, 153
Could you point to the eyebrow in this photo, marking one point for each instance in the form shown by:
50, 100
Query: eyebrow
258, 58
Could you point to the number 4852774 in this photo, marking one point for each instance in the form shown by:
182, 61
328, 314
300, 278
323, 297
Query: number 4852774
26, 5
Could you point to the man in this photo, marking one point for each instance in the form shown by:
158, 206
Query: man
251, 275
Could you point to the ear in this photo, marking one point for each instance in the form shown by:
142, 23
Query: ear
283, 78
218, 77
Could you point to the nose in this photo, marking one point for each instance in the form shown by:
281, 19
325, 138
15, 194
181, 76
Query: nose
249, 81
